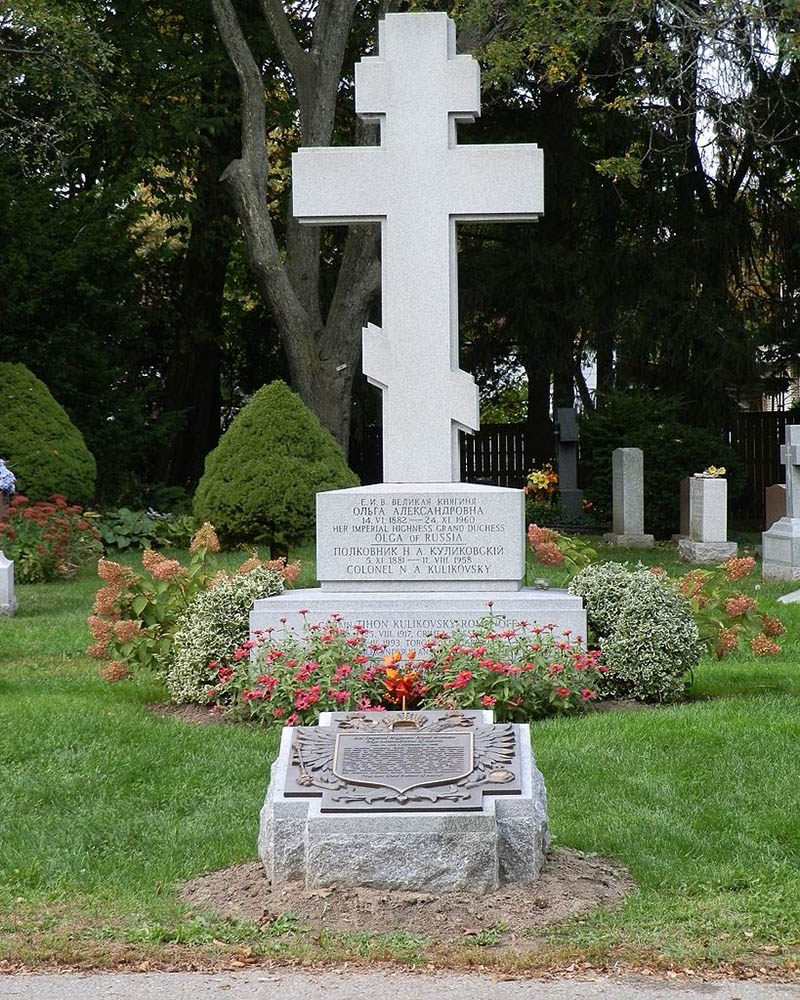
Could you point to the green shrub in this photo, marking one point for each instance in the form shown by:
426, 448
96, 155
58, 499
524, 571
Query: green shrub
260, 482
672, 450
646, 632
215, 624
124, 528
42, 447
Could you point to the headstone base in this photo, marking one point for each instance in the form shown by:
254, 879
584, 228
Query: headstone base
8, 610
781, 550
405, 621
629, 541
706, 552
431, 851
791, 598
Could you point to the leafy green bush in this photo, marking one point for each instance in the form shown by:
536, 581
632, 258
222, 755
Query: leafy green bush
124, 528
213, 626
260, 482
135, 614
646, 632
672, 450
42, 447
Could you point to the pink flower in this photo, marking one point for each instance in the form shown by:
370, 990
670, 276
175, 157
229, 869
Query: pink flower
293, 719
563, 692
489, 700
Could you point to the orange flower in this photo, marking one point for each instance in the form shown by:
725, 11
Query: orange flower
402, 687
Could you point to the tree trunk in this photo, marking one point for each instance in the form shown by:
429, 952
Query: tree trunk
322, 351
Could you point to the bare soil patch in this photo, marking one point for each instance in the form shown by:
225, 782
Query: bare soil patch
200, 714
571, 884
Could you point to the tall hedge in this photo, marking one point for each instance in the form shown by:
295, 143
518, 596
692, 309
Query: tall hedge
260, 482
41, 445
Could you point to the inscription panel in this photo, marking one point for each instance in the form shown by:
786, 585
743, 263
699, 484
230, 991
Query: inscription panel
402, 760
413, 538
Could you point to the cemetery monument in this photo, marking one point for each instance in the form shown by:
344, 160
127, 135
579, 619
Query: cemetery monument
420, 552
627, 470
567, 457
781, 543
8, 602
708, 522
414, 800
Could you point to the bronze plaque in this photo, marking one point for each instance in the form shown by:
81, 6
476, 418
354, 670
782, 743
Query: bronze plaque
402, 760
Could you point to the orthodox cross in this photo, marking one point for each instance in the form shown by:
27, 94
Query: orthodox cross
790, 457
418, 183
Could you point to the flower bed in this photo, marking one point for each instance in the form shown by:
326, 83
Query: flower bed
521, 672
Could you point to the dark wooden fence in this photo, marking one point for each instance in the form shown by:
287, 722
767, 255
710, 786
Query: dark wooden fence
757, 438
498, 454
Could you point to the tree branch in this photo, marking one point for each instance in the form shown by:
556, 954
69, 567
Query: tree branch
297, 59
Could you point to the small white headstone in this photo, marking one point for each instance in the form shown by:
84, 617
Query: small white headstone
627, 467
708, 522
8, 602
781, 543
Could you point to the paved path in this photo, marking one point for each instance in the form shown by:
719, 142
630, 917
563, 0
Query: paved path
289, 985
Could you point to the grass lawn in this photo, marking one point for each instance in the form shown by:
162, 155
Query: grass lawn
107, 807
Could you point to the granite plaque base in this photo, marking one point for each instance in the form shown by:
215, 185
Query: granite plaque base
629, 541
405, 621
780, 547
706, 552
435, 828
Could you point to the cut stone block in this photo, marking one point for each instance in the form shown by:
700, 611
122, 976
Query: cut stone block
405, 621
437, 850
780, 550
706, 552
708, 522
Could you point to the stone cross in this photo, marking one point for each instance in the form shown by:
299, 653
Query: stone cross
418, 183
790, 457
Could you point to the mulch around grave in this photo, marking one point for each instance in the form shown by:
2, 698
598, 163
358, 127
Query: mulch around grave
571, 884
190, 712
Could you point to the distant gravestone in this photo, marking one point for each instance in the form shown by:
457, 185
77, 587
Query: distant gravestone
8, 602
567, 455
683, 530
708, 522
774, 504
781, 543
627, 466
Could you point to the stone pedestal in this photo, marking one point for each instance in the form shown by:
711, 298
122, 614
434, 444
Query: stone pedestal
774, 504
409, 560
405, 620
8, 602
780, 550
628, 499
781, 543
708, 522
436, 850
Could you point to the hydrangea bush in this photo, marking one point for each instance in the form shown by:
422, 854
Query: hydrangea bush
645, 630
521, 672
48, 540
215, 624
8, 481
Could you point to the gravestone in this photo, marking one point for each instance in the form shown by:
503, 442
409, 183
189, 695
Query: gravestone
8, 602
708, 522
420, 552
781, 543
774, 504
567, 456
683, 530
432, 801
627, 468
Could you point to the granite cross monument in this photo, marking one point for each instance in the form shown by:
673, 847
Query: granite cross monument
418, 183
781, 544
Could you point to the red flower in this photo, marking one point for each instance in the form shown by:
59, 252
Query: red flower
563, 692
